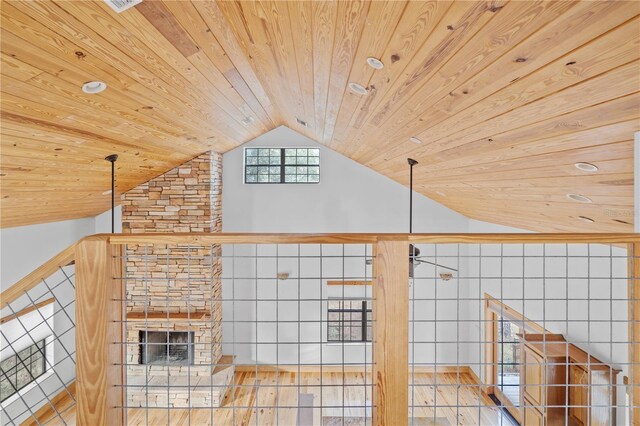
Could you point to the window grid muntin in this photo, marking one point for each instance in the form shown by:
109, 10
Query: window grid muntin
363, 323
281, 165
32, 359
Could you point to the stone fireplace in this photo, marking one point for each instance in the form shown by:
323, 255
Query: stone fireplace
174, 311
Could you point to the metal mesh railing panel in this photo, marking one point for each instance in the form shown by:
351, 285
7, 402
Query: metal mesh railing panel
528, 333
37, 362
275, 339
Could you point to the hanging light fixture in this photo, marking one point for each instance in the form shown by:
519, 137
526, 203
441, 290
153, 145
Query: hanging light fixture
112, 159
414, 252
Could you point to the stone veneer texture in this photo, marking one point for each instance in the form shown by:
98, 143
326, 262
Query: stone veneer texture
185, 199
177, 278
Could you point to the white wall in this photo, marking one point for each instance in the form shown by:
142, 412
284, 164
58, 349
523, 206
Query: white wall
349, 198
522, 276
556, 271
24, 248
55, 322
102, 222
60, 356
298, 303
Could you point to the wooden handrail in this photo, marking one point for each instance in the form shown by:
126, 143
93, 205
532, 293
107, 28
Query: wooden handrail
259, 238
67, 255
64, 258
26, 310
506, 311
60, 403
348, 282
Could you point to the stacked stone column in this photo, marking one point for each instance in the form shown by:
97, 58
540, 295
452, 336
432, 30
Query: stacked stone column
176, 279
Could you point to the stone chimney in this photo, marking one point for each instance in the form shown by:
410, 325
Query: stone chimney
179, 286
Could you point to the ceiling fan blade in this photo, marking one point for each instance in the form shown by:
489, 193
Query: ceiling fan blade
435, 264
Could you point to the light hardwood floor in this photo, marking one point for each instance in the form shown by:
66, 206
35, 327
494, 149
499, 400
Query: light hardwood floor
455, 405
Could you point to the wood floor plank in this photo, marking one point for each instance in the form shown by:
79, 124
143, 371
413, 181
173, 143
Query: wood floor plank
475, 407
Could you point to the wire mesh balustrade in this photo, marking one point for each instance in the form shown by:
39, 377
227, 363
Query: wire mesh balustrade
521, 333
330, 330
273, 338
37, 352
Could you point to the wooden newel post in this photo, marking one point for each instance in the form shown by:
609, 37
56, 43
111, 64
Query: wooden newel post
99, 353
391, 333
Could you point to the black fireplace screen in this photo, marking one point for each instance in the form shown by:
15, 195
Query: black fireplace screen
166, 348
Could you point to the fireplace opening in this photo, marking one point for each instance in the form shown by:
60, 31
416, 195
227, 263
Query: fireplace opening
166, 348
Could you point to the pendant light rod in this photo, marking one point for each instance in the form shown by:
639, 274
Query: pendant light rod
412, 163
414, 252
112, 159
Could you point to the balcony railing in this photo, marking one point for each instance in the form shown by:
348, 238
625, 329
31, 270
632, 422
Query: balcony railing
261, 329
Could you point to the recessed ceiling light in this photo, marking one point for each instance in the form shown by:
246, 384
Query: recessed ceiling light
358, 89
375, 63
247, 120
107, 192
586, 219
586, 167
415, 140
93, 87
579, 198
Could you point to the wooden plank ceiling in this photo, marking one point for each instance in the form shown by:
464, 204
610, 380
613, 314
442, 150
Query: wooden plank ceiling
505, 96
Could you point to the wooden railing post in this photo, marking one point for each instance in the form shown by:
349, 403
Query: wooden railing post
99, 360
391, 333
633, 253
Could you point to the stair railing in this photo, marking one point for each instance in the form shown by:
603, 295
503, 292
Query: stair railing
37, 343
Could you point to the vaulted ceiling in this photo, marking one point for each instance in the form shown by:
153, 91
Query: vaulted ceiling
505, 97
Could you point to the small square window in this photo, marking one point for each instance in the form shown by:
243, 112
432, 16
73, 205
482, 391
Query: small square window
282, 165
21, 369
349, 321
